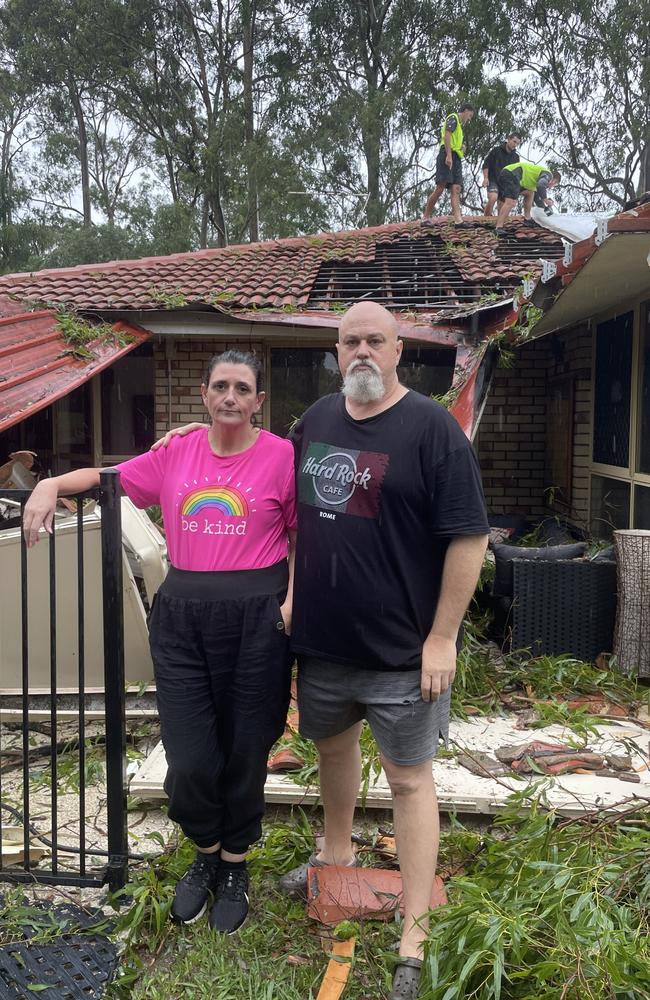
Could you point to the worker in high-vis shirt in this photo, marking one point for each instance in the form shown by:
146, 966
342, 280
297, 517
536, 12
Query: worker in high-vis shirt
533, 179
449, 166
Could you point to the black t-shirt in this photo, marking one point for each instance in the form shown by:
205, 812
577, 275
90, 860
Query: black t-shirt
378, 501
497, 159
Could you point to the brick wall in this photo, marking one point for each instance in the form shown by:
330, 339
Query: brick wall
513, 439
188, 362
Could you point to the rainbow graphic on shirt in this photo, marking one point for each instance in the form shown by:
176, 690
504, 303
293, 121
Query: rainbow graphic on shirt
226, 500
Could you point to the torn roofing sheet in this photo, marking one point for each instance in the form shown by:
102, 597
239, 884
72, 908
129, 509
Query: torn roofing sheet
37, 366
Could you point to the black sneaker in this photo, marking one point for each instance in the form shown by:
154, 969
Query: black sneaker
231, 907
192, 891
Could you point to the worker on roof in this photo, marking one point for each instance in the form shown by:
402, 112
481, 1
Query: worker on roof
498, 158
534, 179
449, 166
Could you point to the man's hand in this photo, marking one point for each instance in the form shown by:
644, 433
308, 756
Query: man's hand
448, 160
484, 182
438, 666
286, 611
180, 431
39, 511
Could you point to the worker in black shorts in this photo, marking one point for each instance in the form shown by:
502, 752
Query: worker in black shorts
534, 180
498, 158
449, 166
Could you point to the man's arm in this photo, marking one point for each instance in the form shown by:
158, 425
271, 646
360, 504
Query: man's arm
448, 157
541, 197
460, 575
177, 432
287, 608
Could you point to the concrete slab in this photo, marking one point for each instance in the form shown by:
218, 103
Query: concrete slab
461, 791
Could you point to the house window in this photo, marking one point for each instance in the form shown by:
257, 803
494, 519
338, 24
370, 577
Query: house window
300, 375
127, 401
642, 507
611, 444
643, 450
73, 430
610, 505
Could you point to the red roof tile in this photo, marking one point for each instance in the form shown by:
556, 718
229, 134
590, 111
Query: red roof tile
37, 366
305, 273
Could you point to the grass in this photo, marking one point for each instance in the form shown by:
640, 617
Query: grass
278, 953
540, 908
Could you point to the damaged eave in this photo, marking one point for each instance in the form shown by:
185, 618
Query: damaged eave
616, 272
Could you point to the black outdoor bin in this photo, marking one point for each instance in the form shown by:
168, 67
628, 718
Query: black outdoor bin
566, 606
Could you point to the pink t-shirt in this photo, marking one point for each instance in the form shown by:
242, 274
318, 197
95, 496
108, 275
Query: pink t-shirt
220, 513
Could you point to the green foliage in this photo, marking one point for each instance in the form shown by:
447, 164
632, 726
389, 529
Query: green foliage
168, 298
485, 677
79, 335
553, 910
528, 318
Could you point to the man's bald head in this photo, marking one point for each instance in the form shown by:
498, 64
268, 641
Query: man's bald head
369, 350
367, 315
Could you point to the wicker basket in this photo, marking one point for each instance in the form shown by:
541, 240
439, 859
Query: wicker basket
632, 634
568, 606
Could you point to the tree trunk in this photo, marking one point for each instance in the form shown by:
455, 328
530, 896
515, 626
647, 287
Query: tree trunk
205, 211
83, 151
644, 170
248, 30
372, 150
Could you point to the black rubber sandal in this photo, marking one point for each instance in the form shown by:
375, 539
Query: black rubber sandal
406, 980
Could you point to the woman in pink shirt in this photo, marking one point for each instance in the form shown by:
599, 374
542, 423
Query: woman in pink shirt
219, 624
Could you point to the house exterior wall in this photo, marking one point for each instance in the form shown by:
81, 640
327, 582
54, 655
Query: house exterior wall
516, 440
178, 397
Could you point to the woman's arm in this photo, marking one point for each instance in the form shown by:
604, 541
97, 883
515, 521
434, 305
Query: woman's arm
39, 509
287, 608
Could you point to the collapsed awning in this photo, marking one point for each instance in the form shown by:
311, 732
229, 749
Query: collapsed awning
38, 366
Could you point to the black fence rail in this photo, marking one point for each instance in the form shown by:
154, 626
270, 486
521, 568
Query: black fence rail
68, 861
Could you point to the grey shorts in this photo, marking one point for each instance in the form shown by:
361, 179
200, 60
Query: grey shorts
492, 187
333, 697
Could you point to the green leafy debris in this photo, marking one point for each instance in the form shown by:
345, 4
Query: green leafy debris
80, 334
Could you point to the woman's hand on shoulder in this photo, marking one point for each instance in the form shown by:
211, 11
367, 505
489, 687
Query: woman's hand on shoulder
177, 432
39, 511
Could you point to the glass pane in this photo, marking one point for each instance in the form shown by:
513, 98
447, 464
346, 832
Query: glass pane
73, 429
610, 506
300, 375
643, 463
642, 507
127, 390
427, 370
612, 391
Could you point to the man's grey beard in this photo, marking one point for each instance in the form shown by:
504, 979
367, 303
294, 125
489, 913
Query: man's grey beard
363, 386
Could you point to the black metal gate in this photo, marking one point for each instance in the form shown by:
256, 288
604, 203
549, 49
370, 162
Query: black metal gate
68, 863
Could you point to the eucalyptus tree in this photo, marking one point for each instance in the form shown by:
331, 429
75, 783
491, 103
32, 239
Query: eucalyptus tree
376, 78
589, 68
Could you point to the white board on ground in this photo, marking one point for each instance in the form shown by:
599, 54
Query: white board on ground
461, 791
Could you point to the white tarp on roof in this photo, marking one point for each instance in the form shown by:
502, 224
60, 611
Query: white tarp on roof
578, 226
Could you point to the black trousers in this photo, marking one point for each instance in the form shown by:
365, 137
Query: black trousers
223, 672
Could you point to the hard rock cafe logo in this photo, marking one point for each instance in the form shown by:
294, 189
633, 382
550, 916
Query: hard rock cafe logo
336, 477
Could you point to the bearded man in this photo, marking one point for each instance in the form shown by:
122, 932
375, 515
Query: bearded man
392, 530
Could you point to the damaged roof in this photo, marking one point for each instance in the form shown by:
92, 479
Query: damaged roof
608, 269
440, 269
38, 365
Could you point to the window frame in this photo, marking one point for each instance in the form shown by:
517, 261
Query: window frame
627, 475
